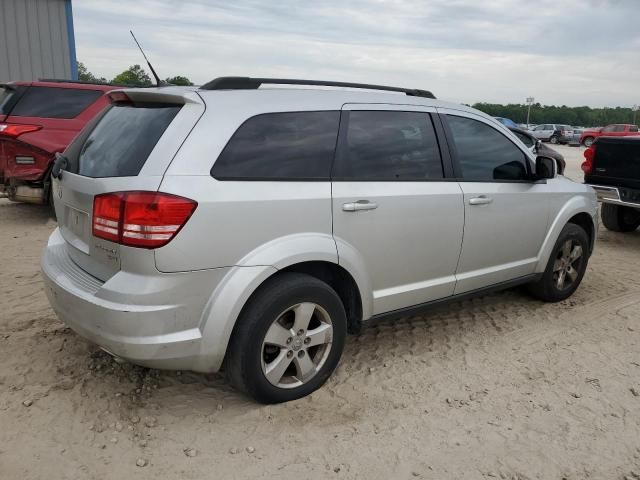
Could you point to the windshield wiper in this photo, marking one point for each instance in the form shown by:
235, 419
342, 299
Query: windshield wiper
59, 165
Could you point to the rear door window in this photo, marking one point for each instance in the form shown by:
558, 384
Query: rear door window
281, 146
388, 145
122, 140
485, 154
52, 102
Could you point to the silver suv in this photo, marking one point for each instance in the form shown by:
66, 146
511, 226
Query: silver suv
248, 228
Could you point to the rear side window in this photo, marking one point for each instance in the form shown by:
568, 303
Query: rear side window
388, 145
51, 102
633, 128
484, 154
280, 146
122, 140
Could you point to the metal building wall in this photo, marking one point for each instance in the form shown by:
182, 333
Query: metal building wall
36, 40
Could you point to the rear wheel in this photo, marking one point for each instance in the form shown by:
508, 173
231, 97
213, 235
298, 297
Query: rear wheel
618, 218
566, 266
288, 339
588, 141
554, 139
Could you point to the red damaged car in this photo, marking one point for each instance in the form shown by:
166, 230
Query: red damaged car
37, 120
616, 130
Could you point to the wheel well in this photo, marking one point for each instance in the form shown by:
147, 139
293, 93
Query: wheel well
585, 221
342, 282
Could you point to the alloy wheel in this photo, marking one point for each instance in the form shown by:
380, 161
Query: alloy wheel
567, 265
296, 345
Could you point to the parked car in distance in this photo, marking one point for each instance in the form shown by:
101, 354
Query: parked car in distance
614, 130
252, 227
536, 147
38, 119
552, 132
574, 140
507, 122
612, 168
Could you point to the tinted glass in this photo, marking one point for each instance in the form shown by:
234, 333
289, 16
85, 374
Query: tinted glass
526, 139
609, 128
281, 146
484, 153
51, 102
618, 128
633, 128
8, 97
123, 139
389, 145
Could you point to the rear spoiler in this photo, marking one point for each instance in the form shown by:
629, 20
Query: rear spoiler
8, 86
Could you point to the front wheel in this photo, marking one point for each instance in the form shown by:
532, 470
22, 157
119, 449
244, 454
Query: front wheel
554, 140
618, 218
566, 266
288, 339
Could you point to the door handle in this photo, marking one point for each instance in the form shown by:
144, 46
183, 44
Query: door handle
359, 205
481, 200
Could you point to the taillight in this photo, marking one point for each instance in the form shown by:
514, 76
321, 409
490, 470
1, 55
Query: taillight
14, 131
140, 219
589, 155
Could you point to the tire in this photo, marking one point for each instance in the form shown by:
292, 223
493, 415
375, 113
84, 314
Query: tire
274, 309
554, 140
588, 141
618, 218
562, 262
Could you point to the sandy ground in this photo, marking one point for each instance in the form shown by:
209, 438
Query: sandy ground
496, 387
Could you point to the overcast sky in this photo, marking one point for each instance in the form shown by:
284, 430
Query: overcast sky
573, 52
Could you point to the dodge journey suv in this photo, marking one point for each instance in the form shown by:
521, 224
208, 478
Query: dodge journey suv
248, 227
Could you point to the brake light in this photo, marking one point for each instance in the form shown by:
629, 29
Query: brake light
140, 219
14, 131
119, 97
589, 155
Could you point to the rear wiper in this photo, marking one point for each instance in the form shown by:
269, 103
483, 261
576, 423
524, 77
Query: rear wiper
59, 165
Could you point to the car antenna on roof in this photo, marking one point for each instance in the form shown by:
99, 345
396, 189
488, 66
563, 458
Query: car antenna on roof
159, 82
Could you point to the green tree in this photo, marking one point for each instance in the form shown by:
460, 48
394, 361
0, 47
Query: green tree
179, 80
134, 76
577, 116
84, 75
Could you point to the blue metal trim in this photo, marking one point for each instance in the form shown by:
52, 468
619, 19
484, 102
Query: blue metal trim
71, 38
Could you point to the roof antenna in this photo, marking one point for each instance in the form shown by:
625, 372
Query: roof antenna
159, 82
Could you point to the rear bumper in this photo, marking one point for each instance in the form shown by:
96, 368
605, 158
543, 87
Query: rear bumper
614, 195
152, 320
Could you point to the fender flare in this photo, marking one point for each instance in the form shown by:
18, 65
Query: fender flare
575, 205
229, 297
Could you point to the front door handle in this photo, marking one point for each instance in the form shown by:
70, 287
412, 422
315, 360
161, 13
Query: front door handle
359, 205
481, 200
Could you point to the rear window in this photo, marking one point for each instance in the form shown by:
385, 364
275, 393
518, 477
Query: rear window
122, 140
281, 146
51, 102
8, 97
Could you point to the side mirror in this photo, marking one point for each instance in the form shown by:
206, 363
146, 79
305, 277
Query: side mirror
546, 167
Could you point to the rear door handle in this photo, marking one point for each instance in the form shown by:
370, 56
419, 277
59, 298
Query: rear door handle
481, 200
359, 205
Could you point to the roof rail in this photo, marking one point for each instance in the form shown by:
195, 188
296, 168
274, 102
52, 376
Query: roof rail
249, 83
82, 82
